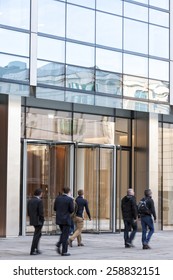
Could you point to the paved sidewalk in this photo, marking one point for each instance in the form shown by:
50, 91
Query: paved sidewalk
97, 247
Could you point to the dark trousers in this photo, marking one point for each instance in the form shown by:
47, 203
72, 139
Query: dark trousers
147, 223
130, 229
65, 230
36, 238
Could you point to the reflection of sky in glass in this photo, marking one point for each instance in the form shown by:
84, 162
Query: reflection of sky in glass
135, 65
80, 24
158, 41
141, 1
159, 69
14, 42
136, 40
111, 6
108, 30
164, 4
51, 17
87, 3
15, 13
51, 49
158, 17
80, 55
135, 11
108, 60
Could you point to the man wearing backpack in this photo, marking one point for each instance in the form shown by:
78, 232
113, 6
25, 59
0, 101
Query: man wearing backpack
146, 218
129, 212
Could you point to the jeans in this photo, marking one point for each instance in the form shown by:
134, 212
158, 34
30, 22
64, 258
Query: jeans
129, 224
147, 223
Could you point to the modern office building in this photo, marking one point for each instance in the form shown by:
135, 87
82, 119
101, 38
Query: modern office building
86, 95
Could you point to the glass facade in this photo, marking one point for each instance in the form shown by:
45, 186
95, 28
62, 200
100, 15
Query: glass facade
91, 46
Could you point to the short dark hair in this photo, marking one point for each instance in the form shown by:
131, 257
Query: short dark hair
37, 192
147, 192
80, 192
66, 189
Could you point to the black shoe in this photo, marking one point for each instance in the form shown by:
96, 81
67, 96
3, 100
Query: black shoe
145, 246
38, 252
34, 253
127, 246
65, 254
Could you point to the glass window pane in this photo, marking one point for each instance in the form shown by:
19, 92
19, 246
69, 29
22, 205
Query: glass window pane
14, 89
135, 87
80, 24
79, 97
159, 69
123, 132
106, 101
135, 11
56, 49
14, 42
111, 6
135, 105
15, 13
86, 57
14, 67
135, 65
48, 124
164, 4
158, 90
159, 108
88, 3
51, 17
79, 78
50, 73
158, 17
49, 93
109, 34
158, 41
94, 129
108, 83
108, 60
135, 36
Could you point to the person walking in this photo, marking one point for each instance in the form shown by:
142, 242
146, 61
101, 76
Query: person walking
82, 204
64, 207
36, 216
146, 218
129, 213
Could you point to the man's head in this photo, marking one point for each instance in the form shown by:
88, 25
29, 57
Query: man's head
130, 192
148, 193
38, 192
80, 192
66, 190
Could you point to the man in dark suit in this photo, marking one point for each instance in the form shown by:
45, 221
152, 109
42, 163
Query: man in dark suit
36, 215
64, 207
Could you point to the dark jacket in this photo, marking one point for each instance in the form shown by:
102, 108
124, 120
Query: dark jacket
150, 206
81, 204
35, 211
129, 207
64, 207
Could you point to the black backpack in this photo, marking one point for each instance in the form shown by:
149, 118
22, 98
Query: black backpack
142, 207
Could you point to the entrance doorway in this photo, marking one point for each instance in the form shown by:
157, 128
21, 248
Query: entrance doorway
101, 170
48, 166
95, 173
